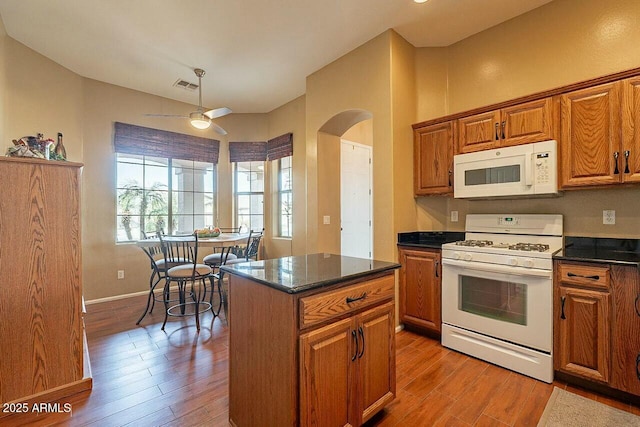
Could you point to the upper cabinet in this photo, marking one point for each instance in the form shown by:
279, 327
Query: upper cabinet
519, 124
631, 130
433, 159
599, 137
590, 136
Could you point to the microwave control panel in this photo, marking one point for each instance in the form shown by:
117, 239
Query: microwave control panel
542, 166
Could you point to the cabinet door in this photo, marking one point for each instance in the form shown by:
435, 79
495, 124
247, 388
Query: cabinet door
326, 374
631, 130
479, 132
433, 159
590, 136
420, 284
625, 363
376, 385
583, 346
528, 122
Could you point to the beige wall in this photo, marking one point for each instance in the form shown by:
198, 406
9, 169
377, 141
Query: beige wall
562, 42
290, 118
358, 80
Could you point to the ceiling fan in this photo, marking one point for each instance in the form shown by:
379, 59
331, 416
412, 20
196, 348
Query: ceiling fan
201, 119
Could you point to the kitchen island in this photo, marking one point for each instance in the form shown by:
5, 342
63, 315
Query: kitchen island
311, 340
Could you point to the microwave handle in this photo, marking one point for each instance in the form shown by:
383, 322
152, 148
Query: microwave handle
528, 169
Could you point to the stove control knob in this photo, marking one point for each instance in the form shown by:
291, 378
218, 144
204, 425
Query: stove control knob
456, 255
528, 263
513, 261
467, 257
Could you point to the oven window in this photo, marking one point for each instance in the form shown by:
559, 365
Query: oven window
497, 175
494, 299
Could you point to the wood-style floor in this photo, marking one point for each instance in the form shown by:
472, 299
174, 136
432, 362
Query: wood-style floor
143, 376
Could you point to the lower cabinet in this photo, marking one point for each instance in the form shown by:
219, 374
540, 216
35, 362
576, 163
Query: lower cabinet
597, 323
323, 357
346, 369
420, 289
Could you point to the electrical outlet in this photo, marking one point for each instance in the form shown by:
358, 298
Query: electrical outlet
120, 274
454, 216
326, 220
609, 217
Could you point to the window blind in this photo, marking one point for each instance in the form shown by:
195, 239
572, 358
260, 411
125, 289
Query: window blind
280, 146
276, 148
132, 139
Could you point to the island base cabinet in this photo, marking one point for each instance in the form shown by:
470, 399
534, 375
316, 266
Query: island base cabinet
346, 371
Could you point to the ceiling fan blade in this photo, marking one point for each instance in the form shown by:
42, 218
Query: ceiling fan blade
218, 129
168, 115
217, 112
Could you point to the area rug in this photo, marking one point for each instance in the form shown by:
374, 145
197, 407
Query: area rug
565, 409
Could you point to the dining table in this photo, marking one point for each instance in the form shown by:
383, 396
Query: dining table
222, 240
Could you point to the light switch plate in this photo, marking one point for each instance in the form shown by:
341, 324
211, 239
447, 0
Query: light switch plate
609, 217
454, 216
326, 220
120, 274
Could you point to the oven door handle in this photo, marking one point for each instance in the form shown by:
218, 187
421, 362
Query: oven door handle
497, 268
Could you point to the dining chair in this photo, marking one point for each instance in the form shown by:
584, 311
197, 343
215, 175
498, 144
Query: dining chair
193, 273
158, 270
213, 260
252, 249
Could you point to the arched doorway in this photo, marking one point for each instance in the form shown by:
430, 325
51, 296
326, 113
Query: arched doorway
345, 190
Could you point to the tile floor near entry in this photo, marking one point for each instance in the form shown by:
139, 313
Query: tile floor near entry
146, 377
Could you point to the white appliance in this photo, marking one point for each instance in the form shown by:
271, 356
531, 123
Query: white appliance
521, 170
497, 291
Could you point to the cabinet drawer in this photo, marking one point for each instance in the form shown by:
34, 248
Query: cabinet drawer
316, 309
585, 275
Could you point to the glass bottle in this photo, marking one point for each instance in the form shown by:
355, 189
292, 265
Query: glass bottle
60, 150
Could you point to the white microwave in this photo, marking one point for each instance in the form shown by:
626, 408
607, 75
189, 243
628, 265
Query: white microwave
521, 170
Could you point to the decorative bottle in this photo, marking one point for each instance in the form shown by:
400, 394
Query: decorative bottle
60, 150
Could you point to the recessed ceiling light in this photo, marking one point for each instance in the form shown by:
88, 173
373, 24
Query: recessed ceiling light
420, 1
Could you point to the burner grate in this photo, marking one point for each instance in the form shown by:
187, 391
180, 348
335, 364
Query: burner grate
530, 247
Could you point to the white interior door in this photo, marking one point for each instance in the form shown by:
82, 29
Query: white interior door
356, 212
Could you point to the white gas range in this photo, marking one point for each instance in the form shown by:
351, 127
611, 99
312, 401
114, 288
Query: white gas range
497, 291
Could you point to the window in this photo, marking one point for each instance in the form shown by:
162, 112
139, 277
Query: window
171, 195
248, 185
285, 197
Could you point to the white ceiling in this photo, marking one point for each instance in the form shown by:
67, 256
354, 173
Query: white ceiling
257, 53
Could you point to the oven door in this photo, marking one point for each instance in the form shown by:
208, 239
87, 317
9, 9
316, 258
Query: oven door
509, 303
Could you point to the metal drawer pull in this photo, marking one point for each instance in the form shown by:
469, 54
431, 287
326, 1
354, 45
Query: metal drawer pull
626, 161
594, 277
350, 300
436, 269
638, 366
362, 335
615, 157
355, 338
562, 301
636, 304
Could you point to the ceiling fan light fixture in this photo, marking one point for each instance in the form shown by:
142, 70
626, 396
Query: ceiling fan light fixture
199, 120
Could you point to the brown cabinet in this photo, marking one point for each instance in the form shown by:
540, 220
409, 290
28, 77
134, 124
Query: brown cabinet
41, 287
433, 159
320, 357
590, 136
625, 360
519, 124
345, 373
600, 137
420, 289
597, 322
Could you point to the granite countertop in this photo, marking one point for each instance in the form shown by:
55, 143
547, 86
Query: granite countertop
302, 273
591, 249
429, 239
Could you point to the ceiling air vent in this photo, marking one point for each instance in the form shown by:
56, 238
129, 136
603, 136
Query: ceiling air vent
185, 85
